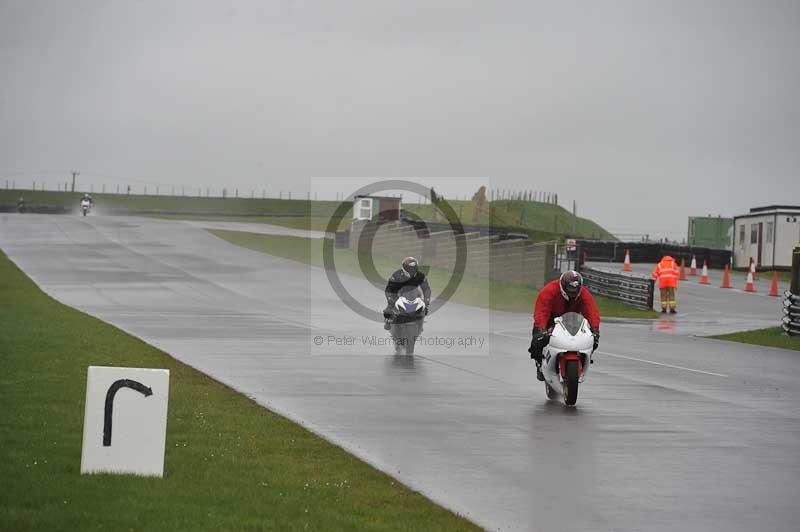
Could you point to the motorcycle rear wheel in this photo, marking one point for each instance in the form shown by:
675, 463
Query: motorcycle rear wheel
549, 391
571, 382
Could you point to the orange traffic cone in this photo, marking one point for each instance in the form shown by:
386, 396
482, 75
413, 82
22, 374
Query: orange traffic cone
704, 276
626, 266
693, 268
748, 286
683, 270
726, 277
773, 290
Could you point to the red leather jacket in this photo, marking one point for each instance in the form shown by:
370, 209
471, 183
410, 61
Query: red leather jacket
551, 304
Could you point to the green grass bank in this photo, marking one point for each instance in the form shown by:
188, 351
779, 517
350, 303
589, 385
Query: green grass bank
230, 464
541, 221
770, 337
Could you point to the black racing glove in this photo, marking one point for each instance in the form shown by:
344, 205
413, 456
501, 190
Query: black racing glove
538, 341
596, 333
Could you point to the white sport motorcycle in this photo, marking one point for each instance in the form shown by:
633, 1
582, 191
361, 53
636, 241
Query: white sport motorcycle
85, 206
566, 358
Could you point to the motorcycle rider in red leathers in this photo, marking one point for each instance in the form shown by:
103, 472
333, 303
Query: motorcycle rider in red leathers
566, 294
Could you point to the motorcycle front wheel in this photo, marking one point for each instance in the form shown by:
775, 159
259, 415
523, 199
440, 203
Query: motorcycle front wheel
411, 341
571, 382
396, 331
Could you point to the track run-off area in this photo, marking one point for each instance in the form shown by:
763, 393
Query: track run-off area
672, 431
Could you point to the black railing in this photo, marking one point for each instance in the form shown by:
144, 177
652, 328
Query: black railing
633, 289
791, 300
791, 314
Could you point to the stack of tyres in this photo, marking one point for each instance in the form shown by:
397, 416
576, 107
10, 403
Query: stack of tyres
791, 313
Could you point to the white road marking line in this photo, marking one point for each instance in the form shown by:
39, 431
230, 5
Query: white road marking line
662, 364
503, 333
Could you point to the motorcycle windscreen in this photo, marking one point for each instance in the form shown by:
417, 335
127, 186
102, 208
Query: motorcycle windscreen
572, 322
410, 292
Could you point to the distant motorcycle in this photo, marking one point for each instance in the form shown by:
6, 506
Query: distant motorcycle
567, 356
85, 206
407, 317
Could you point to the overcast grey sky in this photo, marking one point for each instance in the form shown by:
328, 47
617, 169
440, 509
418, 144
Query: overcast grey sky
644, 112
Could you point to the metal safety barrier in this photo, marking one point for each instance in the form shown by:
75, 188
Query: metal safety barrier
634, 289
791, 314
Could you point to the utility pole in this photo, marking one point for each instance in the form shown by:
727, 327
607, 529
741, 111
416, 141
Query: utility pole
574, 218
74, 175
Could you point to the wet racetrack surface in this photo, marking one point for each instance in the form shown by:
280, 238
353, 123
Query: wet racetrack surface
671, 431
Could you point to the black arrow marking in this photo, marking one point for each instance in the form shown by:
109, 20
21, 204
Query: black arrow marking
112, 391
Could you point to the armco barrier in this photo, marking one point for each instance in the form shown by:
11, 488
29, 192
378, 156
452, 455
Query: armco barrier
791, 301
634, 289
650, 252
791, 314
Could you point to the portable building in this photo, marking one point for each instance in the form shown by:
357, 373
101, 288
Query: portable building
767, 235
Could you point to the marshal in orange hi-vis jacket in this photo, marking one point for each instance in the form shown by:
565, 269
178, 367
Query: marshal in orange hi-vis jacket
667, 273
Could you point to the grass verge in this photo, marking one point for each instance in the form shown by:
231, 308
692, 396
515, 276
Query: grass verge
541, 221
497, 295
770, 337
309, 223
230, 464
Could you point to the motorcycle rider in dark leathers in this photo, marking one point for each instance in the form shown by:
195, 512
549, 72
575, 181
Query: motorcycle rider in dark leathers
408, 275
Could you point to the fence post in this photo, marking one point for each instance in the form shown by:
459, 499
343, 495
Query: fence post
791, 304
